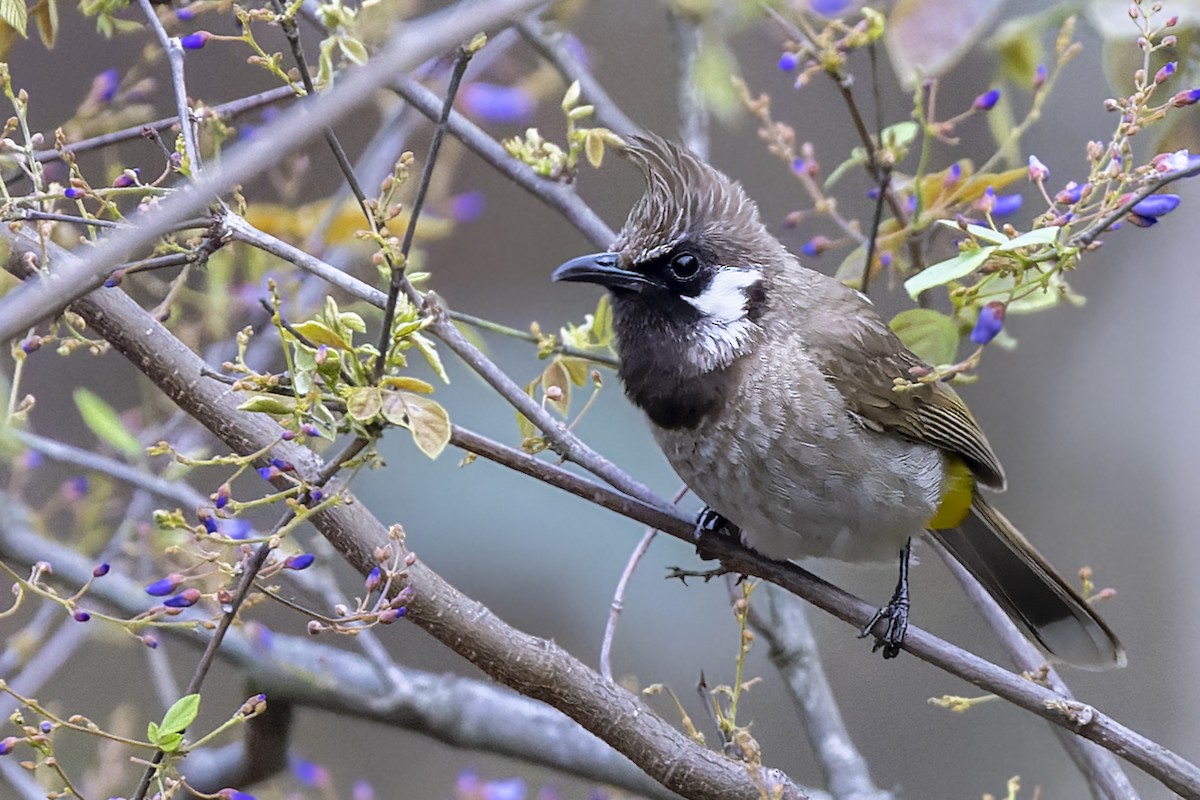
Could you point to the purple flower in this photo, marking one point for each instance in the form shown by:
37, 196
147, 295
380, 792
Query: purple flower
507, 789
236, 528
991, 320
101, 569
310, 773
234, 794
222, 498
287, 436
1070, 194
210, 522
81, 616
185, 14
7, 744
1156, 205
316, 495
1006, 204
299, 561
788, 61
194, 41
362, 790
468, 206
31, 344
1186, 98
986, 101
1039, 76
1166, 71
467, 784
799, 165
72, 193
815, 246
308, 429
127, 178
267, 473
1038, 171
76, 487
32, 459
46, 726
491, 102
114, 279
150, 640
105, 85
828, 8
953, 175
165, 586
282, 466
185, 599
374, 579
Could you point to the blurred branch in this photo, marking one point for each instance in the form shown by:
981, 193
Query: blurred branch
1100, 768
174, 50
693, 112
793, 651
551, 44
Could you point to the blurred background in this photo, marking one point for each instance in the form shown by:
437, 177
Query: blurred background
1093, 415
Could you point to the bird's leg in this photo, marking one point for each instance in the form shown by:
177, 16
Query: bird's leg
895, 613
710, 521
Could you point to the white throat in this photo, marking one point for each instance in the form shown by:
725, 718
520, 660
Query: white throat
724, 330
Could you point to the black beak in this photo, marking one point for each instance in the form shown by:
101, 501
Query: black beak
601, 268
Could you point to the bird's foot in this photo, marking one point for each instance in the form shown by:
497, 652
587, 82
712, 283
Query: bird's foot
892, 618
706, 575
710, 521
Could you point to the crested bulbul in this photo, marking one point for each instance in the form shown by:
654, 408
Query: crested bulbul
790, 408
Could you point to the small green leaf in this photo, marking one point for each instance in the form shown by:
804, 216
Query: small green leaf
978, 231
932, 335
320, 334
1037, 236
431, 355
152, 733
593, 148
602, 321
408, 384
363, 403
269, 404
353, 49
170, 742
181, 714
951, 269
103, 420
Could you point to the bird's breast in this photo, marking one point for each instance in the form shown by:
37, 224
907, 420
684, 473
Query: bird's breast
786, 461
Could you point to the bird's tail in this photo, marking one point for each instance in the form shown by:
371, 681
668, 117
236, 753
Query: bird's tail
1029, 589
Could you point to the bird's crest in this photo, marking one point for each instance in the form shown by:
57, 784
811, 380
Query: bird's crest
686, 199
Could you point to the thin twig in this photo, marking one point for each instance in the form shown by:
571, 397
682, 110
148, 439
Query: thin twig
233, 108
618, 601
174, 50
398, 282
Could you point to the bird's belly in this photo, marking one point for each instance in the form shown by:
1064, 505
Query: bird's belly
829, 489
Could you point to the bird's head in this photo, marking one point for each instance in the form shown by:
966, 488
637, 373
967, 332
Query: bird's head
690, 272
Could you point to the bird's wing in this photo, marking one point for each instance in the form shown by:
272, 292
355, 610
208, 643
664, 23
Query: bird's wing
861, 356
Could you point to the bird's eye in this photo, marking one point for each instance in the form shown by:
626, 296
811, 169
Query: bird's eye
684, 266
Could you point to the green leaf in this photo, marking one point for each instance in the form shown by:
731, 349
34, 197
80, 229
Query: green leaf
428, 421
103, 420
45, 14
932, 335
364, 403
170, 742
353, 49
431, 355
1037, 236
181, 714
951, 269
978, 231
602, 321
14, 14
320, 334
152, 733
269, 404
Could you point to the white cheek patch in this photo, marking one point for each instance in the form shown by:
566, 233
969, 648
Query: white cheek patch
724, 301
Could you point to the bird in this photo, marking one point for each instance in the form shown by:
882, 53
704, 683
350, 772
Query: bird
789, 407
